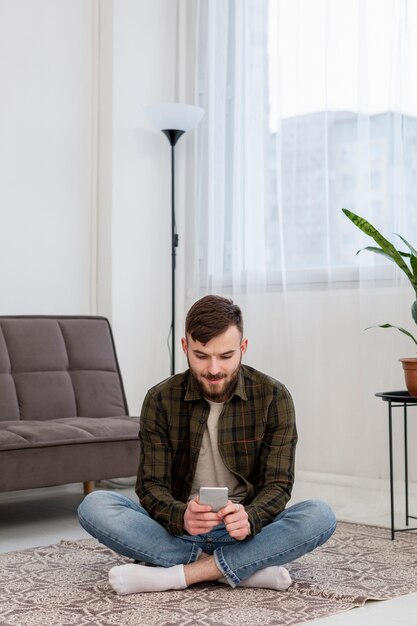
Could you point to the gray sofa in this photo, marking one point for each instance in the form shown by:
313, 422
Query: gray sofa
63, 411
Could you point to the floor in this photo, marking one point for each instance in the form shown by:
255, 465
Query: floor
44, 516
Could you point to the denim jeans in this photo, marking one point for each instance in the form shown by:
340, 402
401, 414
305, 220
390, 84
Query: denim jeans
125, 527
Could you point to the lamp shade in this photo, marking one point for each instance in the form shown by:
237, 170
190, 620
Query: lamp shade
173, 116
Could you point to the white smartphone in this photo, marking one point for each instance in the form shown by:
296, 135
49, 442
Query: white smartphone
216, 497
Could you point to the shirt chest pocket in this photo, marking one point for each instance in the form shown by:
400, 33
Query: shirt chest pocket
242, 454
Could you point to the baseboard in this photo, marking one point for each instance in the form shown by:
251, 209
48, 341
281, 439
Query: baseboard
354, 482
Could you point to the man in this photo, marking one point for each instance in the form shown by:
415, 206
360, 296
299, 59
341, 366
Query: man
219, 424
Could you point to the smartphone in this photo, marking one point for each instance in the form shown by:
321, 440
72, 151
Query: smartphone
216, 497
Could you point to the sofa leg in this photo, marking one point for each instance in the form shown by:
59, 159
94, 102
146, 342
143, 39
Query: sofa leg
88, 487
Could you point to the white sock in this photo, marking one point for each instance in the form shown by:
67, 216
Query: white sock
274, 577
131, 578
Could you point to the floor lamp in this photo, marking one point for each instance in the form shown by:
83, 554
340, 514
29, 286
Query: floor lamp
173, 120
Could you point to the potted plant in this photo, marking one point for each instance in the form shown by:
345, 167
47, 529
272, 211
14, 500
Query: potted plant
407, 262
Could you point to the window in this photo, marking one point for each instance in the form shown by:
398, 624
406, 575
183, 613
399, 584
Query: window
336, 154
312, 106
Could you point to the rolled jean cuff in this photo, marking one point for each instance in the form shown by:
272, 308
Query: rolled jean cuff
195, 553
230, 576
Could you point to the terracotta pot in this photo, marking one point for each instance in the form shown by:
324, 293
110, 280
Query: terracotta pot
410, 373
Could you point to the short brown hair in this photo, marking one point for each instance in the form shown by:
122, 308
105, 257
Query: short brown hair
211, 316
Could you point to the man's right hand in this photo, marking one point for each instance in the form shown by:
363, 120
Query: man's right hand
199, 518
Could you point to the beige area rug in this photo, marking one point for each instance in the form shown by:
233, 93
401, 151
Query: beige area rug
66, 584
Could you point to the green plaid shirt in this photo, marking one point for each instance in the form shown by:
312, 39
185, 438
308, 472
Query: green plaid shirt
256, 438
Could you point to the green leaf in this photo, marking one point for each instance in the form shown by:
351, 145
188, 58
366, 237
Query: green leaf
397, 327
409, 246
387, 247
406, 255
413, 258
413, 262
414, 311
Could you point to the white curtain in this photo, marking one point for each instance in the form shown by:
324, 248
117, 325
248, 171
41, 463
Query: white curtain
311, 106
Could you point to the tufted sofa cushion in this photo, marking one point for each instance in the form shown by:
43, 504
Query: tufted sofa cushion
68, 430
58, 367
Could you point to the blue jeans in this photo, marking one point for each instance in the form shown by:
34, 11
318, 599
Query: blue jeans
125, 527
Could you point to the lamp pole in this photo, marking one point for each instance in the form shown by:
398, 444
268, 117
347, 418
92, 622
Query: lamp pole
174, 119
173, 135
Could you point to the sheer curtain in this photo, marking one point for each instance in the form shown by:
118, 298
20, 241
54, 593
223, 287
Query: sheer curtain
311, 106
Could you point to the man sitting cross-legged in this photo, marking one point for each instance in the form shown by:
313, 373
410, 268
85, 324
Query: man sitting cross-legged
219, 423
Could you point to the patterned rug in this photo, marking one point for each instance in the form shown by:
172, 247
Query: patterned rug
66, 584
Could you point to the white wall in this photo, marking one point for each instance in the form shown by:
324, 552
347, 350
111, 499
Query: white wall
85, 181
46, 155
143, 73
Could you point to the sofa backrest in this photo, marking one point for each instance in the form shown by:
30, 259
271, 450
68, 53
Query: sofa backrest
57, 367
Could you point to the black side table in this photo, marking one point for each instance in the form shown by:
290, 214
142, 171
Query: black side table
398, 399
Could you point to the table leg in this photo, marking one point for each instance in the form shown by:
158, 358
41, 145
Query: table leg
406, 464
391, 470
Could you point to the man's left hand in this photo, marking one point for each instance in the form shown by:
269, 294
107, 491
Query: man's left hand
235, 520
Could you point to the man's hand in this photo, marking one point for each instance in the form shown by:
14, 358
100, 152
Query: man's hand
235, 520
199, 518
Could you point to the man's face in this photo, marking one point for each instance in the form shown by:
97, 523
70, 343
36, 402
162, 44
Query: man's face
215, 365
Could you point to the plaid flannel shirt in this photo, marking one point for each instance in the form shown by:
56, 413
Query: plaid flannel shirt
256, 438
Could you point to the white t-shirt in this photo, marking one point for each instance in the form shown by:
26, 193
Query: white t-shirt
211, 471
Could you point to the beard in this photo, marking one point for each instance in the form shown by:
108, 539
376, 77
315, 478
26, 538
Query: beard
222, 394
